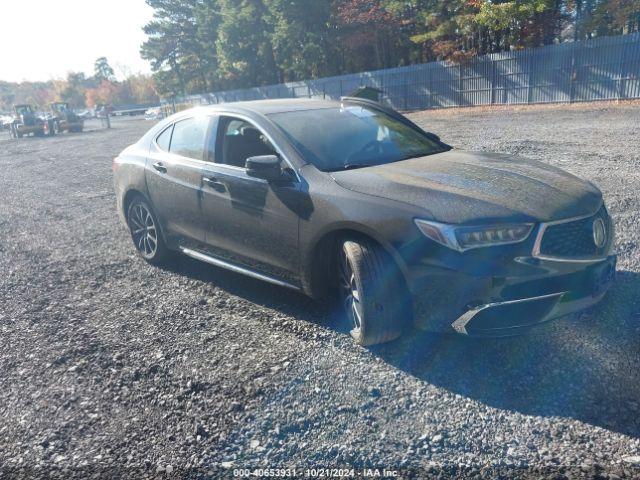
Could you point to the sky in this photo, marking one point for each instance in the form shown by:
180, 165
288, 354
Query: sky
52, 37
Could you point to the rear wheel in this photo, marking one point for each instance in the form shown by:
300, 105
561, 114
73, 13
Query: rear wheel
373, 293
145, 232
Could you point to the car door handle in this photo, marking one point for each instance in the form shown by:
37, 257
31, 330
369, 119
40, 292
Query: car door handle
159, 167
215, 184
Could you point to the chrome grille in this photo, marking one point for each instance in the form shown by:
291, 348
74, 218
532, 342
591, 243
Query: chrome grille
574, 239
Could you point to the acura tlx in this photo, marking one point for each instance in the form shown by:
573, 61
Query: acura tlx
351, 196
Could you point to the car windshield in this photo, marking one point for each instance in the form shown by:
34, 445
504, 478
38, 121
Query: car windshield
352, 137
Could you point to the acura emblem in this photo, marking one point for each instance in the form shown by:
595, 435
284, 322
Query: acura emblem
599, 232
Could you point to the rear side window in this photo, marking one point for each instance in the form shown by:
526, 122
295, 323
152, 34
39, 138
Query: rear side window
164, 139
189, 136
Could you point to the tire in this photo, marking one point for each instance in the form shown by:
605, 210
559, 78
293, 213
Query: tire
373, 293
145, 232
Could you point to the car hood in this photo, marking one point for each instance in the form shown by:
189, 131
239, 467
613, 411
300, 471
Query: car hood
465, 187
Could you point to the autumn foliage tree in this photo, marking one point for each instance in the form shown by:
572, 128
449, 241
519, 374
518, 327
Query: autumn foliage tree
371, 33
81, 91
207, 45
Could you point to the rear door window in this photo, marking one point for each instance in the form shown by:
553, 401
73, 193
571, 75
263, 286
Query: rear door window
164, 139
189, 137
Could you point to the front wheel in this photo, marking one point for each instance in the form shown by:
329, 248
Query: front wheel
145, 232
373, 293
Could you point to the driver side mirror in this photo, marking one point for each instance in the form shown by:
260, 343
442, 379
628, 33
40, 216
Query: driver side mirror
266, 167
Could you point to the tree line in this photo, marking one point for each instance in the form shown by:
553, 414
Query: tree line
80, 90
197, 46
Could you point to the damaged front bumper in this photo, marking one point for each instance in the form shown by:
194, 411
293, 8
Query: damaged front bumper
503, 319
510, 305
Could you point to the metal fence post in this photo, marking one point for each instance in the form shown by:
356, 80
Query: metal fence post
430, 96
493, 81
572, 72
619, 90
406, 93
460, 85
529, 90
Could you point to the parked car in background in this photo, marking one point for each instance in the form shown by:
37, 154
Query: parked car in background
5, 121
352, 196
154, 113
86, 114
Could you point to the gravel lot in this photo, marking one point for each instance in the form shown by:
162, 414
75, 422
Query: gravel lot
112, 366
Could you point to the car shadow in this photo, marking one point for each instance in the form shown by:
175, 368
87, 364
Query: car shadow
285, 300
584, 366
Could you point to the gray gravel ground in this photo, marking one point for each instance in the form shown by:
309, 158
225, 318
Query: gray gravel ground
110, 366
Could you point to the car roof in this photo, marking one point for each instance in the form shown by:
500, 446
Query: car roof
266, 107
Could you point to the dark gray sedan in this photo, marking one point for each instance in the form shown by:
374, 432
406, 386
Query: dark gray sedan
351, 196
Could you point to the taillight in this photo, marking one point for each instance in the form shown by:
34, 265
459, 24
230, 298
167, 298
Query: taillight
114, 164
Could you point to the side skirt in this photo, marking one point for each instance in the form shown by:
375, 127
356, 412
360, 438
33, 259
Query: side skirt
236, 268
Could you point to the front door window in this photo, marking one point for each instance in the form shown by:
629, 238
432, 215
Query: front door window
240, 140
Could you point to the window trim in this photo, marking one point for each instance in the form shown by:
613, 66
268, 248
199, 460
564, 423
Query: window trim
155, 140
252, 122
220, 139
214, 121
226, 113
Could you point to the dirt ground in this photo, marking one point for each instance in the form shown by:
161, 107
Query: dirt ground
110, 365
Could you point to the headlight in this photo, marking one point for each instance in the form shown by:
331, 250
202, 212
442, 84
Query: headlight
463, 238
